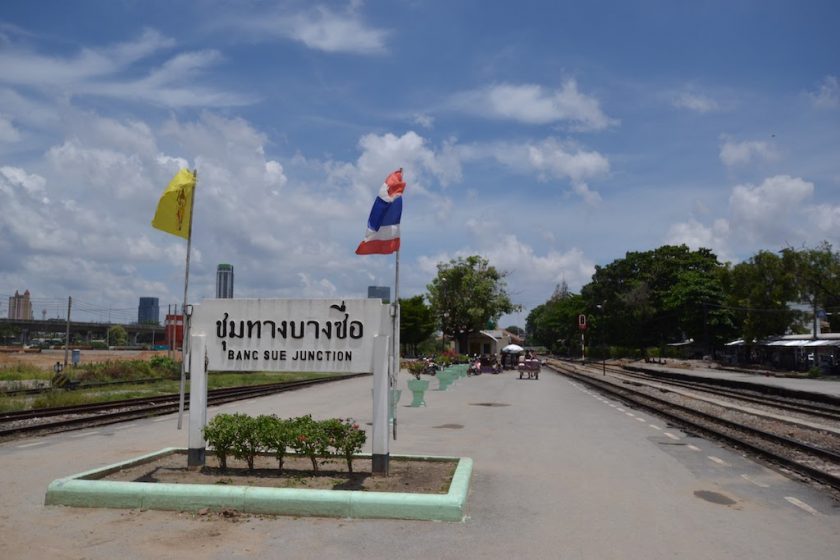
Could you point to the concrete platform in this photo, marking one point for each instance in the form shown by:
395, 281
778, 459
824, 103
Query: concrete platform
558, 472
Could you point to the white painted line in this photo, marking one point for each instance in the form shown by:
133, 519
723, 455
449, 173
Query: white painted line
85, 434
630, 414
618, 408
693, 447
125, 426
672, 436
33, 444
718, 460
161, 419
641, 420
802, 505
614, 406
655, 427
757, 483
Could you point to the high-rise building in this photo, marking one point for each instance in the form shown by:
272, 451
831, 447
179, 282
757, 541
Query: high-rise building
224, 281
381, 292
149, 311
20, 307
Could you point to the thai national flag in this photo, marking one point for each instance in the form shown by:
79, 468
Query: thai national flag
383, 228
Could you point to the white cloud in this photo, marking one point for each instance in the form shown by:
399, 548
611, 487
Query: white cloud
695, 102
27, 68
426, 121
828, 96
533, 104
531, 276
767, 212
547, 159
742, 153
32, 184
109, 172
8, 132
826, 219
696, 235
775, 213
319, 28
111, 71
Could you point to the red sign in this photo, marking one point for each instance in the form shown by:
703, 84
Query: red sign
582, 322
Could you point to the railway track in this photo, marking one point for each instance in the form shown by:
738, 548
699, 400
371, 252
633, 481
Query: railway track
65, 418
768, 437
821, 407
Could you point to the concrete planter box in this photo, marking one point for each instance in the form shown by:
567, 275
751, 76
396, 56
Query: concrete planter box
88, 490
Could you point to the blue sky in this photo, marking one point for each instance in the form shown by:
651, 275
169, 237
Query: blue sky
549, 137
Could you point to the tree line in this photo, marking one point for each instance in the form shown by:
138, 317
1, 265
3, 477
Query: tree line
648, 299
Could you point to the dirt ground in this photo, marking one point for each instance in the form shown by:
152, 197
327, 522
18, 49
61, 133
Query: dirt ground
45, 359
412, 476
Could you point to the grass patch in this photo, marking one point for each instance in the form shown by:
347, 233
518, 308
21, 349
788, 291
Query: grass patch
129, 391
22, 372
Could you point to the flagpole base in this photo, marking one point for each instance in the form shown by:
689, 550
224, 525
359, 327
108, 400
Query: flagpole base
381, 463
196, 457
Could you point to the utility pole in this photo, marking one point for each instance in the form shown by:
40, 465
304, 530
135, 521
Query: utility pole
67, 331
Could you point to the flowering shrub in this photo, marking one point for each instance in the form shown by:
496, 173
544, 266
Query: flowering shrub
244, 437
308, 438
220, 433
246, 442
416, 367
275, 436
344, 437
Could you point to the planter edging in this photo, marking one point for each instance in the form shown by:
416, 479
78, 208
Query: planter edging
85, 490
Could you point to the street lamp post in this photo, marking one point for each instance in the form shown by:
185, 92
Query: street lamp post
600, 308
443, 322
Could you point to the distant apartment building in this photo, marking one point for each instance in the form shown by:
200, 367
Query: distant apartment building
20, 307
149, 311
380, 292
224, 281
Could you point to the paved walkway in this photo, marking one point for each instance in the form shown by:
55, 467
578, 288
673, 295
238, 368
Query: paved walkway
559, 473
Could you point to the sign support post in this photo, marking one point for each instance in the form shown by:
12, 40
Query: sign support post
198, 400
381, 395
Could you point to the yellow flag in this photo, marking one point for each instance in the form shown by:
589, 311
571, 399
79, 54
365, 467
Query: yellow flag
174, 209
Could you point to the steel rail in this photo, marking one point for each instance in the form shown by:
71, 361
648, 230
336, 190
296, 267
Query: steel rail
830, 413
152, 406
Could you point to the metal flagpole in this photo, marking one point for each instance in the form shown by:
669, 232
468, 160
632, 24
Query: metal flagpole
395, 339
185, 328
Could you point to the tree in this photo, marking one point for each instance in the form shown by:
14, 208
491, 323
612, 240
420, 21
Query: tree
466, 295
653, 297
117, 336
816, 274
554, 324
417, 322
518, 331
758, 290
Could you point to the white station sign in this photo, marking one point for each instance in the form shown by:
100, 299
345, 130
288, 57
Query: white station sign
325, 335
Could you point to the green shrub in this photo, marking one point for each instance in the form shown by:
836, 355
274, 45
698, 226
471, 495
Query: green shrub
345, 438
416, 368
220, 433
165, 365
307, 438
275, 436
246, 439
